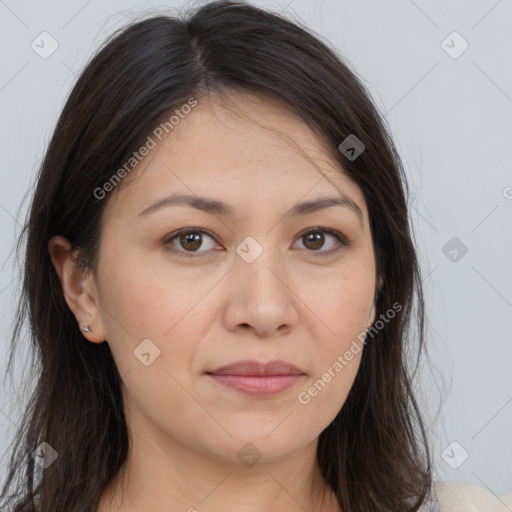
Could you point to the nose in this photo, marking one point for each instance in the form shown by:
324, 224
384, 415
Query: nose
262, 297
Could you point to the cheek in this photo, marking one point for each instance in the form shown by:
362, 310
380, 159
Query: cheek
337, 359
141, 304
342, 305
322, 397
167, 306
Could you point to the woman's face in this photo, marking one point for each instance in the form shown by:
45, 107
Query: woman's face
246, 283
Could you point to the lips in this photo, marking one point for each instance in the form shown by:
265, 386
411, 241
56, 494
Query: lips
259, 380
255, 368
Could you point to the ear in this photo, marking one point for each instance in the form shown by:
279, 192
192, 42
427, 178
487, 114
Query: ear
79, 290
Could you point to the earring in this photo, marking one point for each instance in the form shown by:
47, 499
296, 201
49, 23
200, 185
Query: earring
85, 328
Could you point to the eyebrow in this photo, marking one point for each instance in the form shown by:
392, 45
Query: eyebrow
218, 208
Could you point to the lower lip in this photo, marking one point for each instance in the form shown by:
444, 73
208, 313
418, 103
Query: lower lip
254, 385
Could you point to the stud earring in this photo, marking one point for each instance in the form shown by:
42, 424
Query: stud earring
85, 328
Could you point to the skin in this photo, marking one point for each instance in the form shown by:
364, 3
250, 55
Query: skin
203, 312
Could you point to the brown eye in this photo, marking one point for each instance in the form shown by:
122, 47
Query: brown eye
189, 241
315, 239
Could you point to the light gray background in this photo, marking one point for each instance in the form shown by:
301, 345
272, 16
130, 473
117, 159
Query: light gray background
451, 120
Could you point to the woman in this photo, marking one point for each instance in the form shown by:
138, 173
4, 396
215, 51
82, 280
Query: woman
220, 281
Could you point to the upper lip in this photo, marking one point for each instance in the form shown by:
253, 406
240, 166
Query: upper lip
249, 367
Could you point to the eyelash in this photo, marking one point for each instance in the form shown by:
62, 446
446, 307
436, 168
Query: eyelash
342, 240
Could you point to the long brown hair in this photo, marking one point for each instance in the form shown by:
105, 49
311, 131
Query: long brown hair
375, 454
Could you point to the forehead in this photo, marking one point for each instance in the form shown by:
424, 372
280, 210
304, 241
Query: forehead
237, 144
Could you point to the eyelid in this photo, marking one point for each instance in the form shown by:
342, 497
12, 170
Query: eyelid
340, 237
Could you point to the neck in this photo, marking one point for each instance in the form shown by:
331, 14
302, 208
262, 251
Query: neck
177, 478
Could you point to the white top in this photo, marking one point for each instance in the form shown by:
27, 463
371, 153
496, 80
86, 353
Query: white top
455, 496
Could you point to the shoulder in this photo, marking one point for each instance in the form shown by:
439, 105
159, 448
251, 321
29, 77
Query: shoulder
454, 495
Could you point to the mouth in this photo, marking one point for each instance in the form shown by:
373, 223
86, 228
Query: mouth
258, 379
